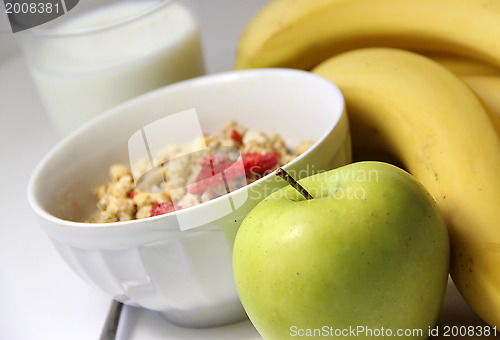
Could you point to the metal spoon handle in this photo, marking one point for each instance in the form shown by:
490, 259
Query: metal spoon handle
112, 320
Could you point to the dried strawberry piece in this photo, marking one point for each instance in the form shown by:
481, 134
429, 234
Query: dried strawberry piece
207, 179
132, 194
236, 136
254, 163
210, 171
162, 208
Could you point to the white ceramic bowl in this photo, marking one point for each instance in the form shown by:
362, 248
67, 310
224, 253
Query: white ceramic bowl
186, 275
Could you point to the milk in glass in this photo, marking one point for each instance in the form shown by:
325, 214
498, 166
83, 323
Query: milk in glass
102, 58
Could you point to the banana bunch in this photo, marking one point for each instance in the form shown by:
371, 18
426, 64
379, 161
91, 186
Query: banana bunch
302, 33
421, 80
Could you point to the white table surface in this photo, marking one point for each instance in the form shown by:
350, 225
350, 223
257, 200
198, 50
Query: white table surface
40, 297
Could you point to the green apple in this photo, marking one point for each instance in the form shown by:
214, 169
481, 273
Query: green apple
367, 256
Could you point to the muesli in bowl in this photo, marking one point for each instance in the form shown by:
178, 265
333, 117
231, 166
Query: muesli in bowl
186, 181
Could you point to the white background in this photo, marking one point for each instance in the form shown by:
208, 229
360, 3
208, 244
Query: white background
40, 297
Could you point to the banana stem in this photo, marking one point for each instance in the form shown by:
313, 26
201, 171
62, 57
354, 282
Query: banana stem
290, 180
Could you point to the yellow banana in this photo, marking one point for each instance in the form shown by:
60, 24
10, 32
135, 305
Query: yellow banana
302, 33
416, 110
487, 88
463, 66
482, 78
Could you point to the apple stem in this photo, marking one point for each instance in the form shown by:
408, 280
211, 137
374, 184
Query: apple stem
290, 180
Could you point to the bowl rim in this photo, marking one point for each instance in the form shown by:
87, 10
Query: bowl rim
201, 80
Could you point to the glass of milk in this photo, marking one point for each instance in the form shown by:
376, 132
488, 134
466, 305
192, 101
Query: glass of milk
102, 53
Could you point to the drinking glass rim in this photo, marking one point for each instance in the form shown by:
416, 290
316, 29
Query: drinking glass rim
57, 32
